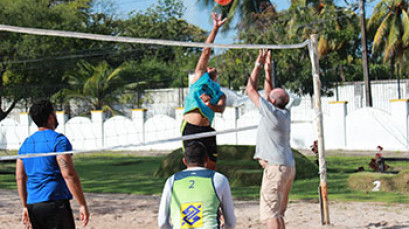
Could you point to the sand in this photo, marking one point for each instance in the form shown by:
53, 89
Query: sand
135, 211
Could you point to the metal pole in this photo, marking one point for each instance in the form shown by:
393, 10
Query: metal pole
398, 78
365, 67
183, 94
320, 130
180, 90
274, 73
138, 94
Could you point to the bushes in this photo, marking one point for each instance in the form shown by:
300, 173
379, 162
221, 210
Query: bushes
237, 163
388, 182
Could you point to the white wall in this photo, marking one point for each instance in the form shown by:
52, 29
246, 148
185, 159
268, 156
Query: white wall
362, 129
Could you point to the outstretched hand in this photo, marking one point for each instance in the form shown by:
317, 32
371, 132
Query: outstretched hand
263, 53
217, 20
267, 62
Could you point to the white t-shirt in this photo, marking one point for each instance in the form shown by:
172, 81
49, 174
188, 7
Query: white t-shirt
222, 187
273, 135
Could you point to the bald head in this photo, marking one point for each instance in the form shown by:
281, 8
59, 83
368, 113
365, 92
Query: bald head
279, 98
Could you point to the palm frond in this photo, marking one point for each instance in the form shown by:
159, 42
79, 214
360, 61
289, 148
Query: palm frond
405, 26
378, 15
381, 32
394, 33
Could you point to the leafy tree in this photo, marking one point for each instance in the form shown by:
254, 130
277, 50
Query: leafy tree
242, 11
390, 23
100, 86
32, 66
163, 21
338, 31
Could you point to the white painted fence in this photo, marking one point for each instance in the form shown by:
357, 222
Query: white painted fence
363, 129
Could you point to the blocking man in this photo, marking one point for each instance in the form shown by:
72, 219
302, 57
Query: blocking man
273, 150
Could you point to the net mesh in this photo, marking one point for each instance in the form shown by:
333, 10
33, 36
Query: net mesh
135, 129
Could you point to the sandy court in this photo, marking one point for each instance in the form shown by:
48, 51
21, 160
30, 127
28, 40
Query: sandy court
120, 211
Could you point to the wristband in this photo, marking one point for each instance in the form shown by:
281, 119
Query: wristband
259, 65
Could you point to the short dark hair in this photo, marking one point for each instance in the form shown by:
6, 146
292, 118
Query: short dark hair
40, 111
195, 153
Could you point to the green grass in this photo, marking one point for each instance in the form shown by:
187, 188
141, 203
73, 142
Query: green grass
116, 173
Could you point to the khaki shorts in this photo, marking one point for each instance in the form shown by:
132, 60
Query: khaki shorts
275, 189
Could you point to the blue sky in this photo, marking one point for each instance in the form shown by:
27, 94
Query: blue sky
197, 14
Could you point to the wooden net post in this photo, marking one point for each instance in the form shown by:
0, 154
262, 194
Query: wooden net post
323, 189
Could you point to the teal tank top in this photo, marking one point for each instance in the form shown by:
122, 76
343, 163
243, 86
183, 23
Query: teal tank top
194, 202
204, 85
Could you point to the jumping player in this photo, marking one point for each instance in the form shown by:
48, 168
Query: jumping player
204, 99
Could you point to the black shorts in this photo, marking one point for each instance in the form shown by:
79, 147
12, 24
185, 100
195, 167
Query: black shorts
209, 142
51, 214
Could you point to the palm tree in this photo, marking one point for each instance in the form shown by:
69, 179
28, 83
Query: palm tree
336, 26
100, 86
241, 10
390, 22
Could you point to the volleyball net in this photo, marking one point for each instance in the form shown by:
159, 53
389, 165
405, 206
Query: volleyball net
133, 129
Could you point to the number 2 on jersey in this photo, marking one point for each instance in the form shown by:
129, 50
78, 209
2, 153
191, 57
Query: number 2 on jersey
192, 184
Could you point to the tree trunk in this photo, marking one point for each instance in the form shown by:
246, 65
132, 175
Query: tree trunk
3, 114
342, 73
392, 67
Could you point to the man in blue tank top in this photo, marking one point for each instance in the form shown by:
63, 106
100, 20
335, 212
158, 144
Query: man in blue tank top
46, 184
204, 99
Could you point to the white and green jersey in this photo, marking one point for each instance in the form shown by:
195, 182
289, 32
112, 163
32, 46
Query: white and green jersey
191, 199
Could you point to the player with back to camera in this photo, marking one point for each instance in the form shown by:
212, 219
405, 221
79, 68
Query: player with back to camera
46, 184
192, 197
273, 150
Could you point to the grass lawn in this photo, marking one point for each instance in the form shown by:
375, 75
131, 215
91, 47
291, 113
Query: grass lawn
116, 173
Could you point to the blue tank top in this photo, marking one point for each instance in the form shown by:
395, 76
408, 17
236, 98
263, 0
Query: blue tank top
204, 85
44, 179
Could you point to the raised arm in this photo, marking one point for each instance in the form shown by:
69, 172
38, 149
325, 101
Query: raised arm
251, 88
203, 62
21, 180
74, 185
268, 86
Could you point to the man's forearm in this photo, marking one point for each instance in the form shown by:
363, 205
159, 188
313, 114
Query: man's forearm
212, 35
22, 191
21, 180
71, 178
74, 185
268, 86
251, 88
253, 80
217, 108
204, 57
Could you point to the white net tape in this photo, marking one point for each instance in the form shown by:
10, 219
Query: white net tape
103, 149
97, 37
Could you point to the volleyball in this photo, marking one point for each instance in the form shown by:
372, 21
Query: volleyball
223, 2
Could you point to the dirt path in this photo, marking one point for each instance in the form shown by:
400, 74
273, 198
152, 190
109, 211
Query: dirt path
120, 211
